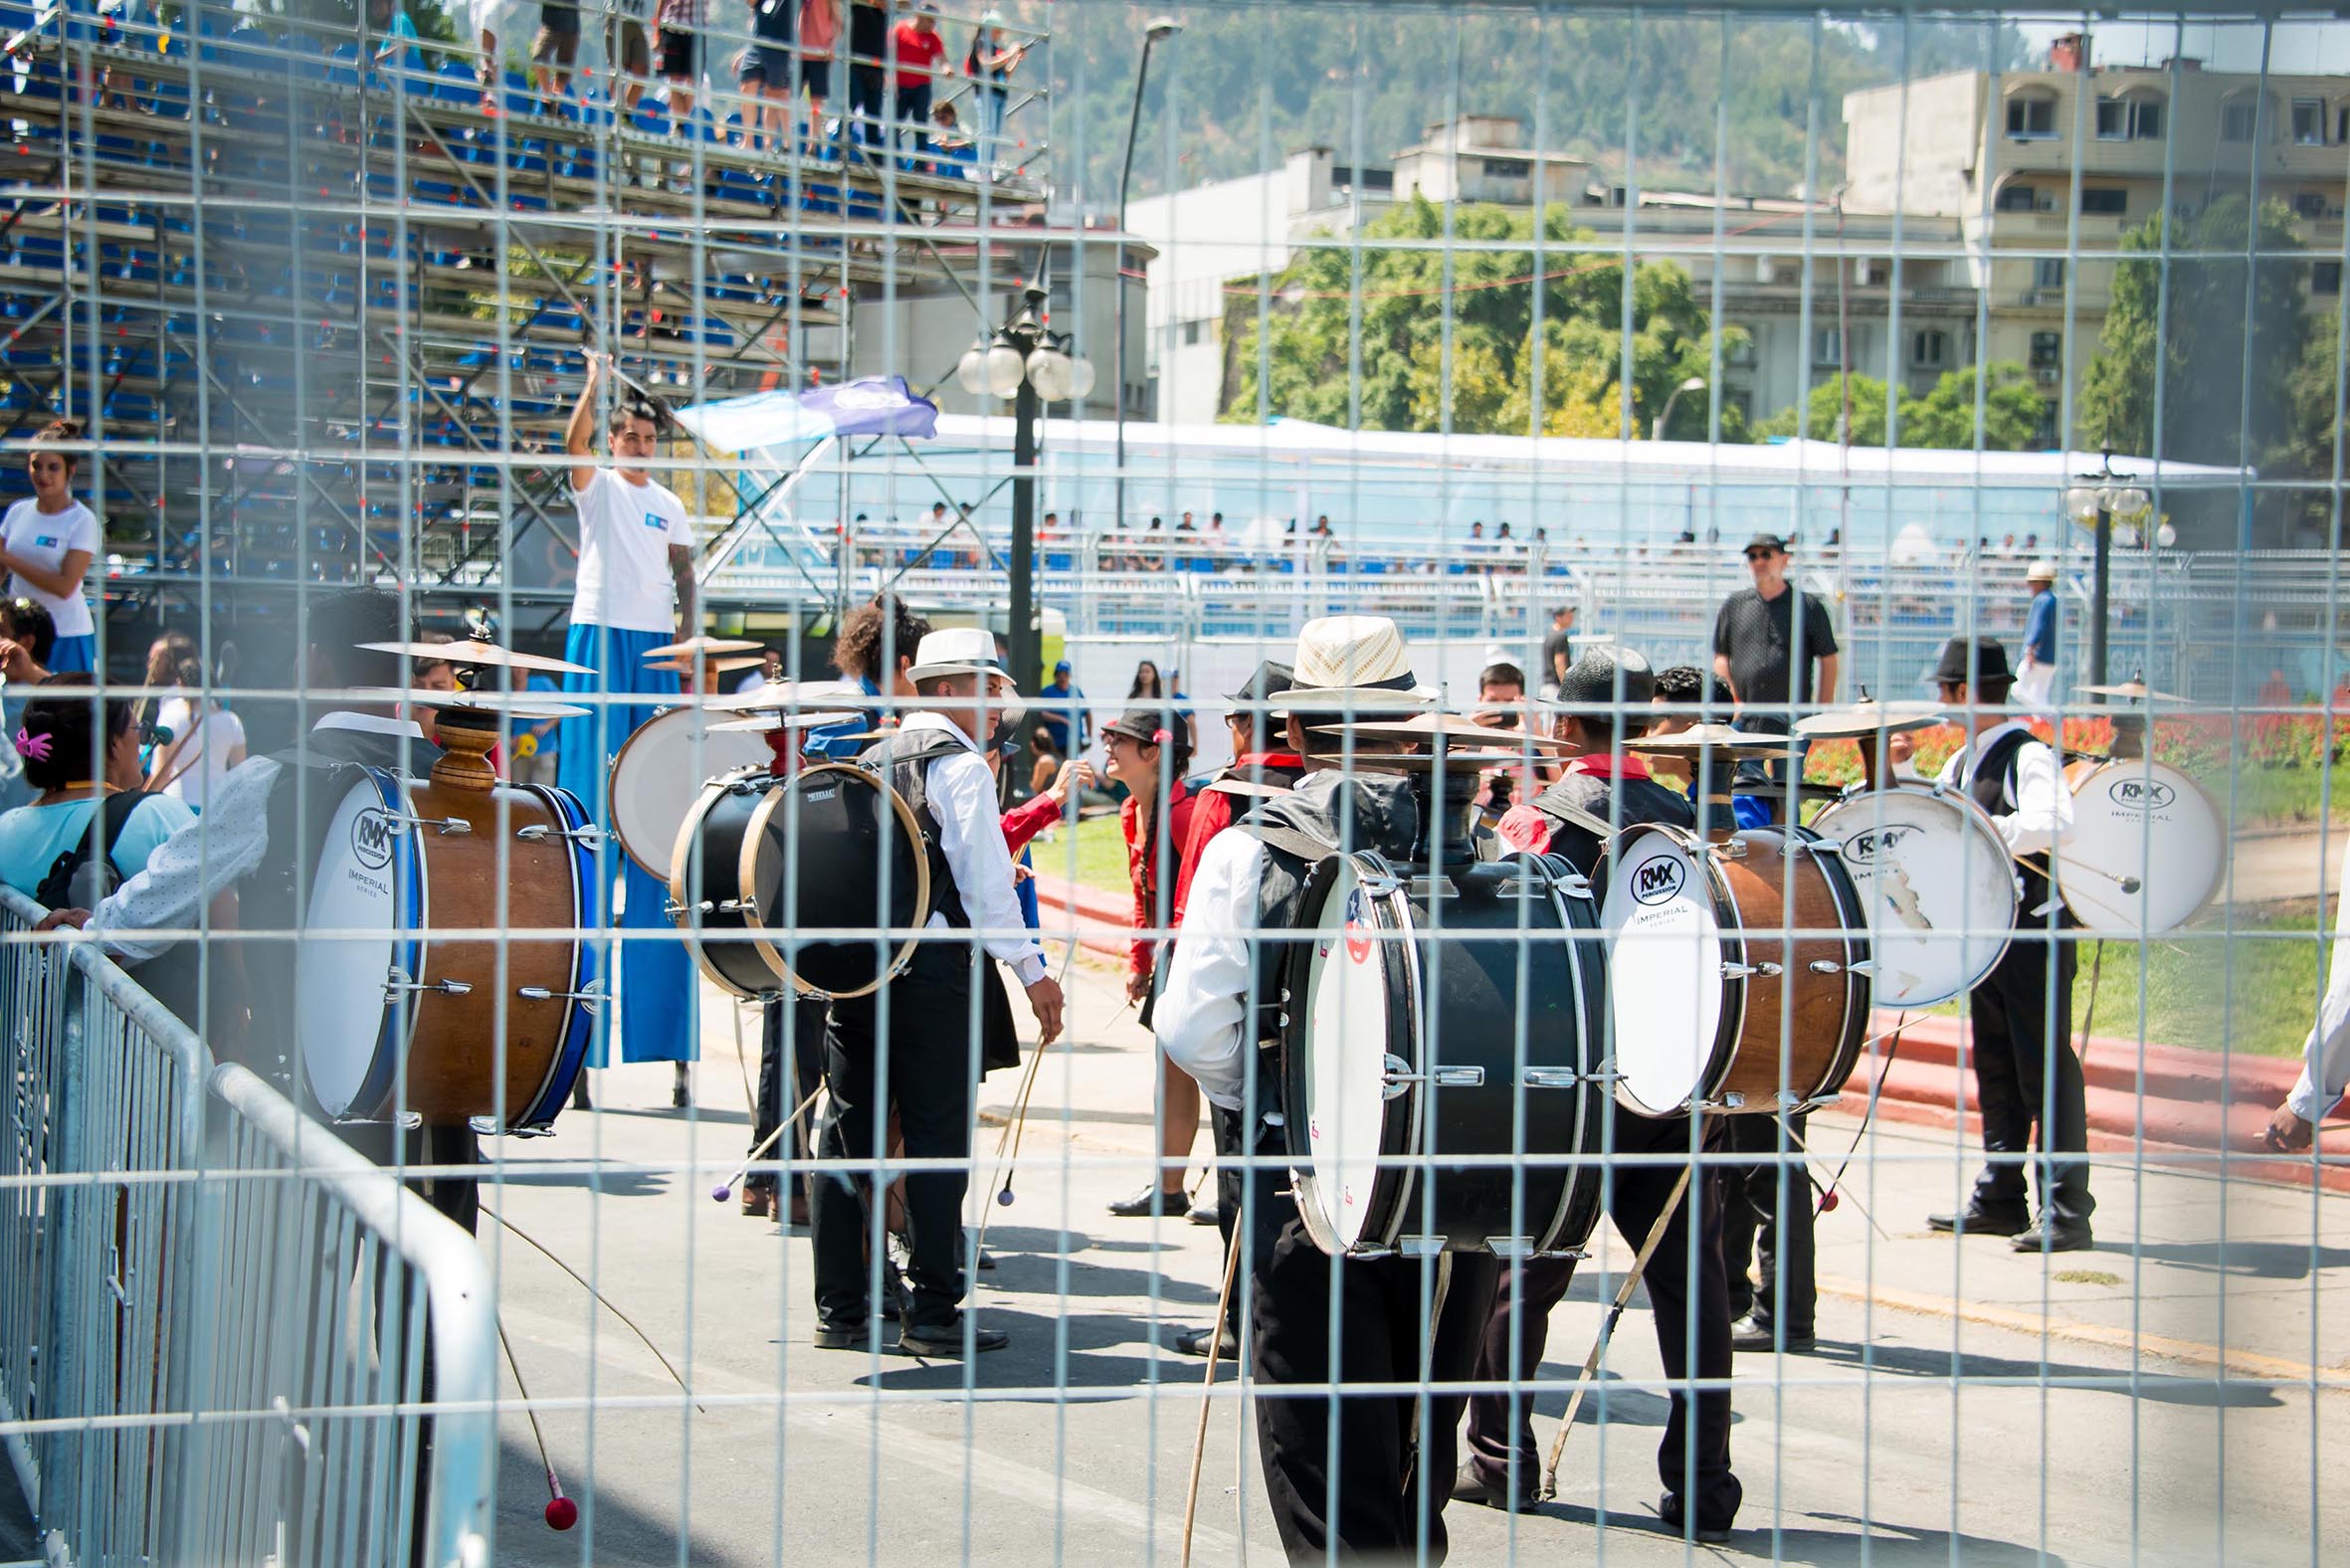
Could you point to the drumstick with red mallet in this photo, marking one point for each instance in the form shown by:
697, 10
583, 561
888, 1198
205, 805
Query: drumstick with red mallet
561, 1512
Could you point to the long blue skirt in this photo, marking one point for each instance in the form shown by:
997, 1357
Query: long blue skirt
655, 1017
78, 654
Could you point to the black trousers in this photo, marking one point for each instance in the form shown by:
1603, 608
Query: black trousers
1530, 1292
798, 1046
1266, 1210
930, 1072
864, 122
1393, 1461
1767, 1210
2025, 1070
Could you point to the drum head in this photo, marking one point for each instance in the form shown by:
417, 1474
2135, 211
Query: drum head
836, 850
1351, 1027
2146, 851
1938, 885
660, 772
1665, 968
368, 892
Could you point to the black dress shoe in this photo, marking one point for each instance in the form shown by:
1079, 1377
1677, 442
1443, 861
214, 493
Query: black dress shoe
1760, 1334
850, 1336
1668, 1510
1195, 1342
946, 1341
1471, 1486
1151, 1200
1975, 1219
2055, 1236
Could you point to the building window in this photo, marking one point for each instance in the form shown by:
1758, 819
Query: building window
1508, 168
1738, 402
2342, 123
2017, 198
2325, 278
2049, 272
2032, 118
2309, 122
2047, 351
2109, 202
2239, 121
1828, 347
2309, 203
1929, 350
2129, 120
1194, 333
1738, 353
2145, 119
2044, 434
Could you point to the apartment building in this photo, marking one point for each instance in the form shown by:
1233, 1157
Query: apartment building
2044, 170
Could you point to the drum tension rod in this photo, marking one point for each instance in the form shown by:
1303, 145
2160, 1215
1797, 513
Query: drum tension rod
397, 981
539, 993
593, 838
1549, 1077
444, 825
1398, 1076
717, 906
1765, 970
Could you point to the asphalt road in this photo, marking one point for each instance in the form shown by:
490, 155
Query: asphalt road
2148, 1403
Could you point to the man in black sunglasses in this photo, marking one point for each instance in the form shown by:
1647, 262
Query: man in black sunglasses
1766, 640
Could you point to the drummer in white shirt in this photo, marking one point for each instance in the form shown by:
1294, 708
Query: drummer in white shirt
636, 592
2026, 1070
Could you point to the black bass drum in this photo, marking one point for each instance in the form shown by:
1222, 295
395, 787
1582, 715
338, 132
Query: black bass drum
1424, 1011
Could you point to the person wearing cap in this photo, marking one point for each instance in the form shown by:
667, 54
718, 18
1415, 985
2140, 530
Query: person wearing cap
2035, 681
936, 763
1061, 709
1260, 768
1766, 640
1558, 649
1382, 1459
2025, 1070
1148, 759
1602, 704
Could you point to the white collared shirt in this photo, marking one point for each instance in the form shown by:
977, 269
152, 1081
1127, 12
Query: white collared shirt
165, 901
971, 835
1202, 1016
2040, 814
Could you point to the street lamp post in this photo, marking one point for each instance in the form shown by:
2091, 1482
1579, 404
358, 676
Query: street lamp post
1656, 430
1031, 364
1159, 27
2094, 503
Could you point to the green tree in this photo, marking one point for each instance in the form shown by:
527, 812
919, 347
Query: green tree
2208, 404
2311, 428
1943, 417
1456, 347
1821, 418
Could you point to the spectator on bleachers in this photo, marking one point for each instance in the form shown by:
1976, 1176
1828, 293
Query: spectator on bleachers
390, 20
485, 37
628, 52
206, 739
47, 543
766, 74
990, 62
917, 51
820, 33
952, 149
868, 43
554, 51
683, 23
74, 768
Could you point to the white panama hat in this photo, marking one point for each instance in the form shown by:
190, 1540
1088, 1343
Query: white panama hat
1350, 663
957, 651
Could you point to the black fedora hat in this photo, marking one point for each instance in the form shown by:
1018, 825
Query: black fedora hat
1975, 661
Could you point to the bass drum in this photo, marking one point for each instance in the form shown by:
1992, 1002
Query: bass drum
660, 771
396, 1020
2128, 813
1937, 881
819, 882
1409, 1042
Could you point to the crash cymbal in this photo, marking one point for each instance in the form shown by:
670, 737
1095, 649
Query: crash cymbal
1419, 764
477, 651
515, 704
716, 667
703, 645
1868, 717
1245, 789
764, 722
793, 694
1427, 727
1704, 737
2130, 691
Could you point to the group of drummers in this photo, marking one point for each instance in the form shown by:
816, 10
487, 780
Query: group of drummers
1451, 990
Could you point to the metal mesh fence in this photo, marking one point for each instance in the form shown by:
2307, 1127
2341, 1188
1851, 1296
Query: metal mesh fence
1803, 554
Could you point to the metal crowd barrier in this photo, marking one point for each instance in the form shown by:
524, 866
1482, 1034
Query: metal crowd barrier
217, 1345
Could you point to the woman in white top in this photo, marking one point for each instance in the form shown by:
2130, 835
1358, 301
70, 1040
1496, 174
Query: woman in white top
47, 543
206, 739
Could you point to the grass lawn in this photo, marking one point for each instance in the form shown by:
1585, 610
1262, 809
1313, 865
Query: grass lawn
2276, 797
1100, 853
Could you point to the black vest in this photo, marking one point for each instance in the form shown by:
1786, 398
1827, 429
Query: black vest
1994, 789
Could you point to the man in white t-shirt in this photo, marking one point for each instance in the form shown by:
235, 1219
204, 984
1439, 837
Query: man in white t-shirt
636, 592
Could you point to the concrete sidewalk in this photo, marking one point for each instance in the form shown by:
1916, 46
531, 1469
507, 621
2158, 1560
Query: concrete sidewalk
2149, 1402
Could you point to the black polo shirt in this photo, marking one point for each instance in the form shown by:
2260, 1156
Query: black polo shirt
1761, 637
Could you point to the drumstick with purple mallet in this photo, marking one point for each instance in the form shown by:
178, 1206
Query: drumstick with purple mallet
726, 1189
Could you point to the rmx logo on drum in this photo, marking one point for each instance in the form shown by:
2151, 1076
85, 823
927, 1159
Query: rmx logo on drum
1863, 848
1358, 940
372, 833
1658, 879
2141, 794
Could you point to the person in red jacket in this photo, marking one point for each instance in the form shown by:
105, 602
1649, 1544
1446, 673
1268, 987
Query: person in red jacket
1260, 766
1148, 755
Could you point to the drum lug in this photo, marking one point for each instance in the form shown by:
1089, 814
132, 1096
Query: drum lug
1576, 1253
1791, 1102
1549, 1077
1418, 1245
1397, 1075
1825, 966
1274, 1119
1457, 1078
1380, 887
591, 838
441, 825
397, 981
1766, 971
1576, 887
1514, 1248
489, 1127
589, 998
749, 906
1724, 849
1731, 1100
1817, 846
